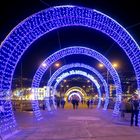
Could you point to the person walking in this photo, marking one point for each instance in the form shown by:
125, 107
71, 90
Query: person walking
134, 109
88, 103
63, 103
91, 103
76, 103
73, 103
58, 102
43, 105
122, 108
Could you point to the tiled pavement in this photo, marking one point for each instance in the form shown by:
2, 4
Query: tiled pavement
81, 124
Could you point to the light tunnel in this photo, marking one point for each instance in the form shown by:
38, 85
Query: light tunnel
79, 72
80, 65
38, 24
75, 50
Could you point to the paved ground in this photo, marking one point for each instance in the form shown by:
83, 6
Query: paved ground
81, 124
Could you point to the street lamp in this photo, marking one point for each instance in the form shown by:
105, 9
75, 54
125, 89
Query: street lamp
57, 65
100, 65
115, 65
44, 64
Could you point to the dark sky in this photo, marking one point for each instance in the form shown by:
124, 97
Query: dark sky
126, 12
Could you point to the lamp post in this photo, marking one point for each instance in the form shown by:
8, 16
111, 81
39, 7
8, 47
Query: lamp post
115, 65
57, 64
107, 74
50, 69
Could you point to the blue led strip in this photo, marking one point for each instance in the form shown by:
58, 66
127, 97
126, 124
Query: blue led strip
35, 26
87, 67
76, 50
83, 73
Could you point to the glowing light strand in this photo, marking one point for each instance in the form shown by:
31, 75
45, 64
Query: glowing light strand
75, 89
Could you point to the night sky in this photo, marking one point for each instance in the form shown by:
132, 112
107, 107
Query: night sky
125, 12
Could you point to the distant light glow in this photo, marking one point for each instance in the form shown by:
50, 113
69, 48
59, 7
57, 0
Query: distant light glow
115, 65
44, 64
57, 64
101, 65
31, 97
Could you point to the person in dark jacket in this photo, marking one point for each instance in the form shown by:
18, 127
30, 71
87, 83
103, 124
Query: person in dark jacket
73, 103
123, 108
63, 103
88, 103
76, 103
134, 109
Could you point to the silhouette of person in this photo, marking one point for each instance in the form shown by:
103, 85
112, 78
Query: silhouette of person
88, 103
62, 103
76, 103
73, 103
123, 108
134, 109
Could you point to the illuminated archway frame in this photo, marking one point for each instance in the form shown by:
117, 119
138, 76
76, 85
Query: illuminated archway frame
76, 50
35, 26
79, 72
75, 89
75, 93
81, 65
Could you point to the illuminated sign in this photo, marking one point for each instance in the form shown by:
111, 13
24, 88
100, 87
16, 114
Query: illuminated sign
72, 72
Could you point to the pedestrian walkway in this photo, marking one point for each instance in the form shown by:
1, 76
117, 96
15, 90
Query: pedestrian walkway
80, 124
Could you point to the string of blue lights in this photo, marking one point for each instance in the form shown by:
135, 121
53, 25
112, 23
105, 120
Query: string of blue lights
35, 26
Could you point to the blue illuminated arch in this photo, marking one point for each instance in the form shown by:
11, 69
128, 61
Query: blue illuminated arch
81, 65
76, 50
83, 73
35, 26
